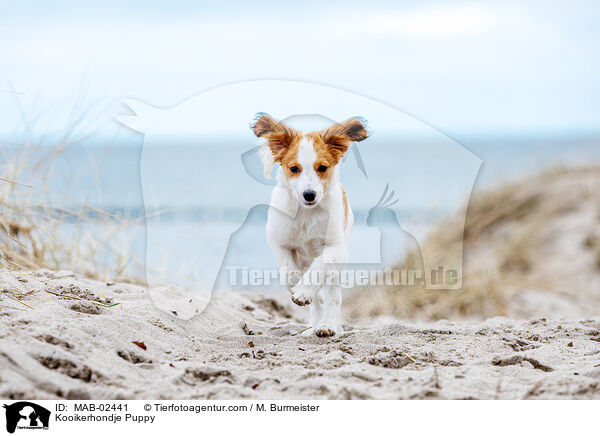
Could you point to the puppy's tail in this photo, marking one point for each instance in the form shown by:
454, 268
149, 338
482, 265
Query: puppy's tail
266, 157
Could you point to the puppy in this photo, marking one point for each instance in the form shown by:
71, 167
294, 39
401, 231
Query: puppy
310, 219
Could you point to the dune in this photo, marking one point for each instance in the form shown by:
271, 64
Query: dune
531, 249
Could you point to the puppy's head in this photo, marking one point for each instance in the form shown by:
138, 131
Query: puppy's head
308, 160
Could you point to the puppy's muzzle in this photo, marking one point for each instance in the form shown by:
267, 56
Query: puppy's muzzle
309, 196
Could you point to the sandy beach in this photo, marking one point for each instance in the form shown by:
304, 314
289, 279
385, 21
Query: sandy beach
71, 345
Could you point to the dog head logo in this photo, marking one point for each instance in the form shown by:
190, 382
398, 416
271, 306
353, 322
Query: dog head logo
26, 415
200, 162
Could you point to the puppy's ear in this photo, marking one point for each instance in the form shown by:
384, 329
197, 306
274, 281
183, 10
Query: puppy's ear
279, 136
263, 125
339, 136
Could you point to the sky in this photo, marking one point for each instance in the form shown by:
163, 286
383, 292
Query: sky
465, 68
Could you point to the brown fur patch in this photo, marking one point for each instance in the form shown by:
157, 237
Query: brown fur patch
289, 157
346, 208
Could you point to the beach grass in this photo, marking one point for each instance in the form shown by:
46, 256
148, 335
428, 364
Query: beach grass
510, 233
36, 232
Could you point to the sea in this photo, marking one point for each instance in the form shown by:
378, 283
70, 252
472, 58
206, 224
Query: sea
180, 207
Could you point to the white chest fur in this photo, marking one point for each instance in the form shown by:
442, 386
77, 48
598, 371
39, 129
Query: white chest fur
295, 228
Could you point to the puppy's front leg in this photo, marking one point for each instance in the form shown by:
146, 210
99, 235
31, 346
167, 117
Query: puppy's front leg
329, 323
288, 271
310, 283
317, 274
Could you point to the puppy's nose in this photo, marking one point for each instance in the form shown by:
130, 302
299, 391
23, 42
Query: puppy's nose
309, 195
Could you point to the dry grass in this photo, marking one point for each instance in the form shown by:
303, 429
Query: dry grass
505, 245
35, 234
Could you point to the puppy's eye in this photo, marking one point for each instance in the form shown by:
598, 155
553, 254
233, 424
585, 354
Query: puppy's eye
295, 169
322, 168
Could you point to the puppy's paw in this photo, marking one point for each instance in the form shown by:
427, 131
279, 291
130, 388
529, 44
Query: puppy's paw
302, 295
326, 330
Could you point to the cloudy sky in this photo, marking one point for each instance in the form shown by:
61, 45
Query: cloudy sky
505, 67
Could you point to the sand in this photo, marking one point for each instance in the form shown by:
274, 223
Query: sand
247, 346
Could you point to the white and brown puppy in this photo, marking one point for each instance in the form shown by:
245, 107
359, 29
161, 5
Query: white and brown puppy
310, 219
